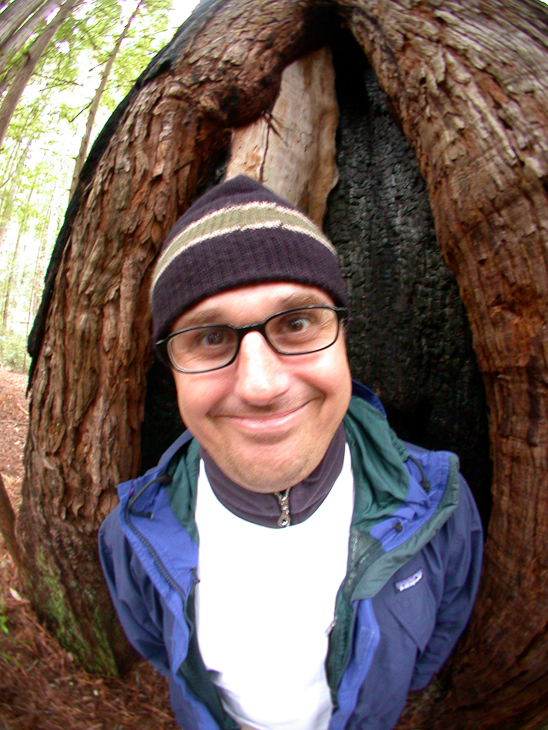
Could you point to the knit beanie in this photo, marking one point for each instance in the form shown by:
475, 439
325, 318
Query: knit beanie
239, 233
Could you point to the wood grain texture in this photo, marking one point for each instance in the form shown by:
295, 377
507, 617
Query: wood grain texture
292, 151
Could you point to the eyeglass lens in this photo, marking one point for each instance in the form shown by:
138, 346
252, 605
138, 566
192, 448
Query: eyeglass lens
289, 333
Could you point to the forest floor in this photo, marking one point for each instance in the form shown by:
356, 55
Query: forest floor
41, 685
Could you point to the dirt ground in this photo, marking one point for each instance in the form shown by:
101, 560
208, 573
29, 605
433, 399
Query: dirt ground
41, 686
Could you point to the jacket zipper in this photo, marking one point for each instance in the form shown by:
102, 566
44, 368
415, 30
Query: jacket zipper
139, 535
284, 520
342, 658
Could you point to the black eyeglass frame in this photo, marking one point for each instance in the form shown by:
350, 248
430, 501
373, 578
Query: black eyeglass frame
163, 349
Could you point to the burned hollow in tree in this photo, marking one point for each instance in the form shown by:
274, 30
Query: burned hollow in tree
408, 336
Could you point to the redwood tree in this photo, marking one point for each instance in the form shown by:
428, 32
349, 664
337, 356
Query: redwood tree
467, 84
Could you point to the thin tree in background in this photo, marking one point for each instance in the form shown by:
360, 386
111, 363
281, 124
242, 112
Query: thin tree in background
46, 233
14, 261
12, 179
37, 277
97, 99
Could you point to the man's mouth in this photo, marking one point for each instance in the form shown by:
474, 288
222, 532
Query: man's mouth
266, 422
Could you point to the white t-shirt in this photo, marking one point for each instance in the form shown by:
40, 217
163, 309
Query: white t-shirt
264, 604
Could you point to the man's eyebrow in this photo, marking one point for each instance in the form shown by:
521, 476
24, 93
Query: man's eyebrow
301, 299
304, 299
215, 315
204, 316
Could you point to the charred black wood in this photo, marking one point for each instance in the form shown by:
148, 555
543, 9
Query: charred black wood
409, 337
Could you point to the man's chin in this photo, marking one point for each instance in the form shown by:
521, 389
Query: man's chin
280, 474
261, 485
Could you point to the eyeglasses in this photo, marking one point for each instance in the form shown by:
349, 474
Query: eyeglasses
214, 346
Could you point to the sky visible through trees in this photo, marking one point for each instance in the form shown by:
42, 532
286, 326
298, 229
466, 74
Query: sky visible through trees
102, 44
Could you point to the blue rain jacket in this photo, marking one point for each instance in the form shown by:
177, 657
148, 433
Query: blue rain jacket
415, 549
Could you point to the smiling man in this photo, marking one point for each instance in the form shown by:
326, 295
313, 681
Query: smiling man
290, 564
266, 427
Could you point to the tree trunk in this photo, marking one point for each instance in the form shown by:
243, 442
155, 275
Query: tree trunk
13, 179
45, 234
15, 15
95, 103
7, 529
14, 42
14, 263
25, 71
468, 84
9, 284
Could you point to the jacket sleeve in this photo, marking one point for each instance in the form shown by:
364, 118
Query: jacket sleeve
135, 599
460, 547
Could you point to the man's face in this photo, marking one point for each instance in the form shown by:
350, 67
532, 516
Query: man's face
266, 419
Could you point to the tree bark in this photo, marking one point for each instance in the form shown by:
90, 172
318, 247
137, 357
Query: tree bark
7, 529
475, 109
468, 83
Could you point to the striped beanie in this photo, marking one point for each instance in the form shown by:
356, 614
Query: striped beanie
238, 233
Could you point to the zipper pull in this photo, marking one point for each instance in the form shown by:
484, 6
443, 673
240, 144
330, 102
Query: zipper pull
284, 520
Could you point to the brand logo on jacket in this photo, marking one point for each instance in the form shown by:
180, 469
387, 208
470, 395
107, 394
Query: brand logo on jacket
403, 585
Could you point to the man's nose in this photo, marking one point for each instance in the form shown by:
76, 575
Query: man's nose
261, 376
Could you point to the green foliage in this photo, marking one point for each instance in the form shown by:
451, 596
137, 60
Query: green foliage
3, 618
43, 139
149, 27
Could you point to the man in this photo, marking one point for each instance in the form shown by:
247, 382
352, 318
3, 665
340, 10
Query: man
292, 564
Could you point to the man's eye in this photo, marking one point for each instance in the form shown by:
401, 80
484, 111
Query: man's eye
297, 324
211, 338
